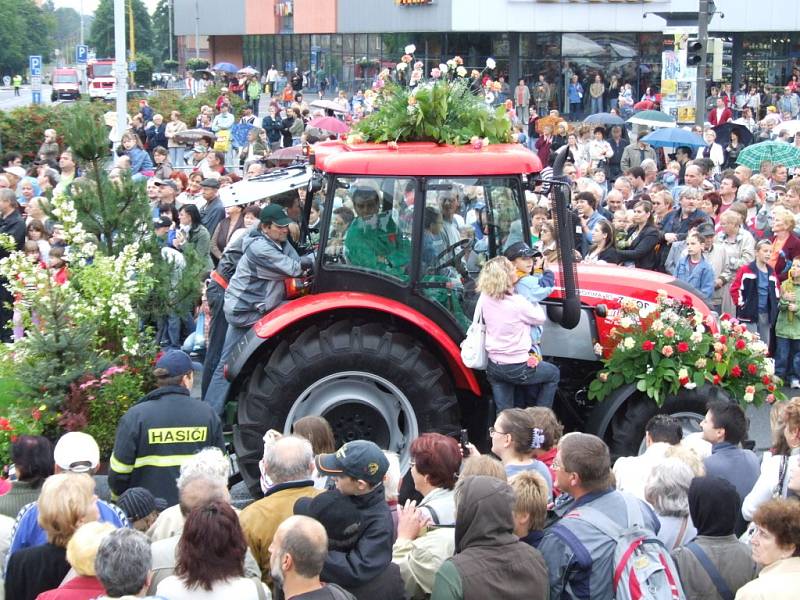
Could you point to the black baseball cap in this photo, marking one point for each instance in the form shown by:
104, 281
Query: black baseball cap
360, 459
337, 513
162, 222
519, 250
177, 362
275, 213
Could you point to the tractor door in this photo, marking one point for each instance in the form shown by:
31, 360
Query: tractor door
465, 221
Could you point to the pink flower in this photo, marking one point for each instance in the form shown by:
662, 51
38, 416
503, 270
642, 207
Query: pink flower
436, 73
667, 351
669, 332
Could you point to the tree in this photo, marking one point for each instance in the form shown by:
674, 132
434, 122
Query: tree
144, 70
101, 36
25, 29
161, 28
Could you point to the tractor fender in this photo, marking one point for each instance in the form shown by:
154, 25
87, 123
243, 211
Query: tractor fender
600, 418
295, 311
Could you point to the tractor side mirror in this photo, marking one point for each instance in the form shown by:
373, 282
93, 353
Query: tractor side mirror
315, 183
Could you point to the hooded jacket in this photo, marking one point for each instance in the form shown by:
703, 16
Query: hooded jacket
257, 285
744, 292
490, 561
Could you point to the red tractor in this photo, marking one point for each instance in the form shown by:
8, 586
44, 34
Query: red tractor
373, 345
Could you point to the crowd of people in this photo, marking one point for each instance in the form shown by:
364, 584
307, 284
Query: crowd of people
545, 515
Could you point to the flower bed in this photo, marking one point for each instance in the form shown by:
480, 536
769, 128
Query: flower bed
668, 347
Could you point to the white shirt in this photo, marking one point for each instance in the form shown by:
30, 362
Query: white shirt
767, 483
632, 472
240, 588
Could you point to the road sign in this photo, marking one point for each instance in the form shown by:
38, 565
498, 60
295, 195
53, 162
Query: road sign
132, 66
36, 97
81, 54
36, 89
35, 64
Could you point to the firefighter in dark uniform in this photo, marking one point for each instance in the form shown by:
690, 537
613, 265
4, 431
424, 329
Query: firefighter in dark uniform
163, 430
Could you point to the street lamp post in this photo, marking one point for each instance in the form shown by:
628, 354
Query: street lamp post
120, 69
169, 18
197, 28
706, 8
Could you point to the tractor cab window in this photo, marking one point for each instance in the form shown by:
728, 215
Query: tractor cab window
371, 226
465, 222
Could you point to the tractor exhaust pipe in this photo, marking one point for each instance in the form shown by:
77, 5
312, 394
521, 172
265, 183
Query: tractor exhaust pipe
561, 195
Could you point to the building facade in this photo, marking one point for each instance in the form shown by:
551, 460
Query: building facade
348, 42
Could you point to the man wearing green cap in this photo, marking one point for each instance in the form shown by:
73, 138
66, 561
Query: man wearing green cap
257, 286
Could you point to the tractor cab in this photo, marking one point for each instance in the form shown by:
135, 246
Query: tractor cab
406, 223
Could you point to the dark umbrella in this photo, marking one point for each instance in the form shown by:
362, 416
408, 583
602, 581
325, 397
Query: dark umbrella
190, 136
286, 156
225, 67
724, 134
604, 119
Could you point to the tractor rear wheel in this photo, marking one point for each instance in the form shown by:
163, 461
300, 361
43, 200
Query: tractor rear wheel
367, 381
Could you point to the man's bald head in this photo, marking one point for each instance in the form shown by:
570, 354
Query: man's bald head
615, 200
304, 541
200, 489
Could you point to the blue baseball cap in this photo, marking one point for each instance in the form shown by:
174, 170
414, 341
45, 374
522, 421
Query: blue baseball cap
360, 459
177, 362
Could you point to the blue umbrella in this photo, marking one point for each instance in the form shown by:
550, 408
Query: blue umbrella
673, 137
225, 67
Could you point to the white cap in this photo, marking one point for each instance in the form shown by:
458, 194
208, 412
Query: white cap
76, 452
18, 171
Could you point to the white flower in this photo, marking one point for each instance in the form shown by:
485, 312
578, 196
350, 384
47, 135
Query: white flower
625, 322
696, 337
598, 349
490, 64
683, 373
443, 68
657, 325
769, 366
629, 343
747, 398
461, 72
401, 66
410, 49
691, 385
758, 348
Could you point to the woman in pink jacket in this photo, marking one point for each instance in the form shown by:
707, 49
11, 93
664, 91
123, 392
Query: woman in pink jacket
513, 371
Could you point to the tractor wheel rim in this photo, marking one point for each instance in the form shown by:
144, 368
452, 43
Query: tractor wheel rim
360, 405
689, 421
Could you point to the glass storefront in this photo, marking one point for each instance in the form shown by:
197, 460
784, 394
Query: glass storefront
351, 61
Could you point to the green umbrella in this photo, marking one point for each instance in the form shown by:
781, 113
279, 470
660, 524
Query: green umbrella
782, 153
652, 118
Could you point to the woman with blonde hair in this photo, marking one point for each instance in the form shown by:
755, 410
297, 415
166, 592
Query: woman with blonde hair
509, 318
81, 552
67, 501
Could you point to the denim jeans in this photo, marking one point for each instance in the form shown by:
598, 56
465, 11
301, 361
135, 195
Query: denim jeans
217, 391
216, 332
574, 109
762, 327
176, 156
504, 379
597, 105
787, 358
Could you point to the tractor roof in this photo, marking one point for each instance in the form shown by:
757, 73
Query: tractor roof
412, 159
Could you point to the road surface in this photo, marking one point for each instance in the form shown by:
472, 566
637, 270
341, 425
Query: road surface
8, 100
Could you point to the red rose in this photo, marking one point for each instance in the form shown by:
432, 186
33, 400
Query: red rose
5, 424
723, 339
740, 344
736, 371
725, 317
717, 379
771, 387
766, 380
752, 369
647, 345
683, 347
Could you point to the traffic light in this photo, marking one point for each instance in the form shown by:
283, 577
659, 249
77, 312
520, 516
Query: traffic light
721, 52
694, 53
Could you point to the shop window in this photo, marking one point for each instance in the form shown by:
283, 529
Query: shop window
348, 44
361, 44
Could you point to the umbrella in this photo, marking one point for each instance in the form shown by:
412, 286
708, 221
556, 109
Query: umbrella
604, 119
328, 105
724, 133
190, 136
673, 137
329, 124
652, 118
225, 67
287, 155
543, 122
775, 152
248, 71
314, 134
791, 127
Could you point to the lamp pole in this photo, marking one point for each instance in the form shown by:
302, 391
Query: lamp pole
197, 29
705, 9
120, 69
169, 18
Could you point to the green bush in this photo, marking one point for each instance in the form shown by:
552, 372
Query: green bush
193, 64
143, 76
170, 65
165, 101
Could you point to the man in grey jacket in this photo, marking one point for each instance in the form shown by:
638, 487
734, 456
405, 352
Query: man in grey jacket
579, 556
257, 286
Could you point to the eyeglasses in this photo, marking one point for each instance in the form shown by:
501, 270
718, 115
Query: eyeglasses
492, 431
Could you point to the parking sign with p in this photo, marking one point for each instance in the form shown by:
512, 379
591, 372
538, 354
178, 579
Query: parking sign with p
35, 64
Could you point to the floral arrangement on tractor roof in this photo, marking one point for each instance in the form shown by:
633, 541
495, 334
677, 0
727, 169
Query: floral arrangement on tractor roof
669, 347
449, 107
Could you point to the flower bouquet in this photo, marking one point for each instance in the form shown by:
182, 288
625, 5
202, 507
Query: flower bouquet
669, 346
449, 107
